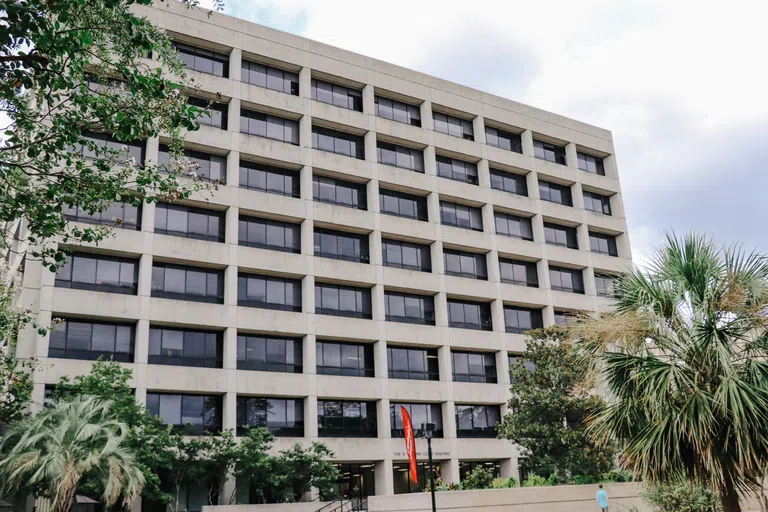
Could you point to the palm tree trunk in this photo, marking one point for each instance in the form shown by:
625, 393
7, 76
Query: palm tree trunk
729, 497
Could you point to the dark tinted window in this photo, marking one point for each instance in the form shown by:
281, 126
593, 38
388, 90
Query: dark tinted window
189, 222
461, 216
180, 347
339, 95
400, 156
187, 414
338, 300
202, 60
549, 152
98, 272
402, 204
187, 283
469, 315
519, 272
207, 167
566, 279
117, 215
513, 225
268, 292
397, 111
458, 170
340, 192
399, 254
419, 414
347, 359
271, 234
597, 202
340, 245
269, 126
344, 418
564, 318
339, 142
606, 286
602, 243
274, 180
589, 163
503, 139
283, 417
474, 367
518, 320
452, 125
105, 145
465, 264
565, 236
477, 420
509, 182
409, 308
74, 339
270, 77
269, 354
413, 363
214, 114
555, 193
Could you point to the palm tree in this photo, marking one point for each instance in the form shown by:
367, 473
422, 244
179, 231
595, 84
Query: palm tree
50, 452
684, 361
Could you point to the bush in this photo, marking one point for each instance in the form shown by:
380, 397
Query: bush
534, 480
617, 475
479, 478
583, 479
503, 483
682, 498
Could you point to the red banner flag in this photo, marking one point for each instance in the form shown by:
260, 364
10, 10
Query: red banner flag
410, 443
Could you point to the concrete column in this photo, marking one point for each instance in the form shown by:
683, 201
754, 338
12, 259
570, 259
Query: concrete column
494, 273
374, 247
426, 115
232, 176
446, 374
382, 419
617, 206
588, 274
309, 355
145, 275
233, 115
310, 417
478, 126
232, 224
502, 367
152, 148
578, 196
230, 348
542, 268
532, 182
449, 471
509, 469
571, 159
141, 343
305, 131
484, 173
582, 232
623, 246
537, 223
526, 139
380, 359
497, 315
370, 146
305, 83
308, 294
141, 395
377, 302
230, 285
384, 483
433, 210
228, 490
430, 164
305, 185
489, 223
229, 412
235, 64
368, 100
548, 316
148, 217
441, 310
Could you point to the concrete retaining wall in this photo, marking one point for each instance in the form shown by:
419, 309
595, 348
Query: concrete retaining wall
311, 506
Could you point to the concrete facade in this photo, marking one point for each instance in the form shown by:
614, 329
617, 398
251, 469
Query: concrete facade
244, 40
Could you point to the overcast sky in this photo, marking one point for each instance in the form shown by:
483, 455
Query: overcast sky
682, 84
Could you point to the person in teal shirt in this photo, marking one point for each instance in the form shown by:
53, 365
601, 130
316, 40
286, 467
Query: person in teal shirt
602, 498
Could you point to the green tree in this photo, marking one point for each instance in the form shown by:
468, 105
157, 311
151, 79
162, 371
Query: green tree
50, 453
552, 397
684, 360
478, 478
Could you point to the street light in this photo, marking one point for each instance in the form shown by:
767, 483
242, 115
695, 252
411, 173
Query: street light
427, 429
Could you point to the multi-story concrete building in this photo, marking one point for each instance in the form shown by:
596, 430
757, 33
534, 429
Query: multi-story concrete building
383, 238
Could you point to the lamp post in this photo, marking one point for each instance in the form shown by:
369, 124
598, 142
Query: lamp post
427, 430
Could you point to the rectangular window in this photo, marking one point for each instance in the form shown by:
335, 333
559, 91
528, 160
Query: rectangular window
339, 95
477, 420
345, 359
340, 245
268, 126
269, 354
268, 292
407, 255
597, 202
100, 273
523, 273
202, 60
206, 166
270, 179
182, 347
465, 264
564, 318
474, 367
339, 300
340, 192
461, 216
419, 414
590, 163
397, 111
513, 225
549, 152
80, 339
409, 308
461, 128
566, 279
105, 145
269, 77
400, 156
509, 182
555, 193
602, 243
503, 139
190, 222
401, 204
341, 143
413, 363
606, 286
346, 418
404, 484
180, 282
276, 235
518, 320
191, 415
214, 113
564, 236
457, 170
117, 215
283, 417
466, 314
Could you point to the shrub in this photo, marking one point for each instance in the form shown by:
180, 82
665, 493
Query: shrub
535, 480
503, 483
683, 498
479, 478
617, 475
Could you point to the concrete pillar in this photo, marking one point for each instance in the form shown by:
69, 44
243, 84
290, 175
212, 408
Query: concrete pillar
145, 275
232, 224
449, 471
588, 274
509, 468
305, 131
235, 64
494, 272
445, 364
230, 285
372, 191
622, 245
308, 294
383, 483
305, 185
382, 419
441, 310
497, 315
232, 174
430, 163
578, 196
478, 126
141, 343
571, 158
153, 145
537, 224
368, 100
582, 232
377, 302
370, 146
374, 247
380, 359
484, 173
230, 348
233, 115
489, 223
532, 182
305, 83
548, 316
526, 139
502, 366
426, 116
228, 490
229, 412
310, 417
